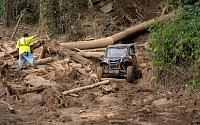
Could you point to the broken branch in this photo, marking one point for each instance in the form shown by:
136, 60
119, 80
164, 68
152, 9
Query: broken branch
16, 26
8, 105
85, 87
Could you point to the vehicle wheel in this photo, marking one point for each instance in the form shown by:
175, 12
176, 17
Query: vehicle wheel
100, 72
130, 74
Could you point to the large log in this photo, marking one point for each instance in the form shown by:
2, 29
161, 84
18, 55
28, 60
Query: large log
135, 30
88, 44
85, 87
91, 54
95, 50
44, 61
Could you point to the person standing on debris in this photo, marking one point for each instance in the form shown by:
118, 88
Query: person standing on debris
24, 50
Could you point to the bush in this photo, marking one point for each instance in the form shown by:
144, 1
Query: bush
176, 43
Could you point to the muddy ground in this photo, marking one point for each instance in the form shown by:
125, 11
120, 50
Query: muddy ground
118, 103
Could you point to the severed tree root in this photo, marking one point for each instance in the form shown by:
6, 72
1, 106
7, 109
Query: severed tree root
8, 105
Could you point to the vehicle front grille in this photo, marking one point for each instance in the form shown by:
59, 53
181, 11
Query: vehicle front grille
114, 64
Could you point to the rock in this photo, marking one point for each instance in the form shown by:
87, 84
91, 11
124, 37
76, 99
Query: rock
107, 88
64, 118
110, 88
136, 102
38, 81
160, 101
82, 111
114, 86
84, 117
168, 92
107, 8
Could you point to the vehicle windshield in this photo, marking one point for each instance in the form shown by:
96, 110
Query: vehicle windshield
116, 52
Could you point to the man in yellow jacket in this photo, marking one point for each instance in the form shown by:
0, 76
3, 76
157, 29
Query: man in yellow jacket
24, 50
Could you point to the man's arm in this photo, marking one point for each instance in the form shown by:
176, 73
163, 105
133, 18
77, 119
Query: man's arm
29, 39
35, 36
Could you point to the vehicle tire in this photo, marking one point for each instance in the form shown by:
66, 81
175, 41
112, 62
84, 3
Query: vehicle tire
100, 72
130, 74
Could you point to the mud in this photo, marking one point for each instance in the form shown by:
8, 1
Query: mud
116, 103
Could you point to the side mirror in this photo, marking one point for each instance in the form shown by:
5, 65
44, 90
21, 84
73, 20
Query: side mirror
101, 56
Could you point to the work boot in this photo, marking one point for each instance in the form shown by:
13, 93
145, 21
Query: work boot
35, 67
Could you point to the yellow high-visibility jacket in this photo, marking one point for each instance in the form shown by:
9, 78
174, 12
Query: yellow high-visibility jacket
23, 44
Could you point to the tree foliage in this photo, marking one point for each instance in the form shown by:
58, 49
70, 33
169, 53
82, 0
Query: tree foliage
176, 43
182, 3
1, 8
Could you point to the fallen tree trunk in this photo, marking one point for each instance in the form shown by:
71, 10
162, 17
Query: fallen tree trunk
20, 91
44, 61
85, 87
95, 50
72, 55
91, 54
138, 28
135, 30
88, 44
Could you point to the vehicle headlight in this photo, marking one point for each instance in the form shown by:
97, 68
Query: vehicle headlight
124, 60
106, 60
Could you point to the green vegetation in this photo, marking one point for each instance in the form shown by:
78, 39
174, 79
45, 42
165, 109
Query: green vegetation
175, 44
1, 8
